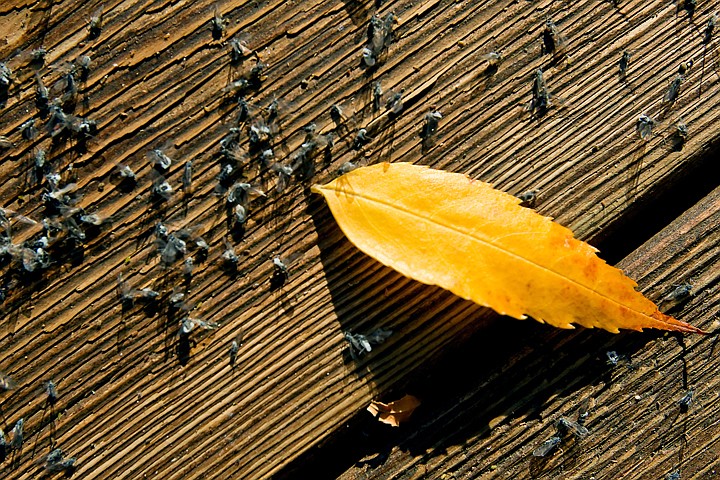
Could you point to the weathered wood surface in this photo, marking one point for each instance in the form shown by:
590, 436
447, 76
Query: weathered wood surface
506, 399
130, 405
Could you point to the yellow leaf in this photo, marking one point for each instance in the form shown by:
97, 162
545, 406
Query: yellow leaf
445, 229
394, 413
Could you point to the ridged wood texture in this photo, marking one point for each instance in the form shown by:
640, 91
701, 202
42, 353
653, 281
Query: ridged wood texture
128, 408
637, 429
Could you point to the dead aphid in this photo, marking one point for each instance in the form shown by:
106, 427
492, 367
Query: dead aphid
28, 130
431, 124
170, 249
528, 197
362, 344
565, 426
238, 51
710, 28
187, 178
674, 89
5, 142
84, 62
6, 383
644, 126
229, 256
346, 167
188, 267
217, 24
360, 139
547, 447
690, 7
42, 96
680, 293
540, 102
613, 358
96, 22
336, 114
161, 189
51, 391
159, 160
493, 59
125, 173
56, 462
380, 36
188, 324
553, 41
6, 77
679, 137
17, 435
685, 402
234, 348
280, 273
394, 102
624, 63
283, 172
377, 95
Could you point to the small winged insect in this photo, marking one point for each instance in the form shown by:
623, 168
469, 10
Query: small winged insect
92, 219
553, 41
280, 273
380, 36
540, 96
283, 173
217, 24
28, 130
644, 126
42, 96
229, 256
680, 136
528, 197
84, 62
170, 249
6, 383
493, 59
394, 103
234, 349
377, 95
709, 29
674, 89
685, 402
188, 324
361, 138
6, 77
237, 87
51, 392
96, 22
613, 358
17, 435
565, 426
158, 158
690, 7
680, 292
56, 462
37, 57
187, 178
336, 114
128, 295
238, 50
547, 447
255, 75
431, 124
624, 63
346, 167
126, 173
673, 475
161, 190
362, 344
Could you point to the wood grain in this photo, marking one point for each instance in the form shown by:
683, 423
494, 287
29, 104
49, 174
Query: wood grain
129, 407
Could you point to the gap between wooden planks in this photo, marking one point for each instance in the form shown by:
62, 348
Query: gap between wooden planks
128, 407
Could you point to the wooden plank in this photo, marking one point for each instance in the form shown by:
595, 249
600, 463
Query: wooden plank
130, 403
501, 410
